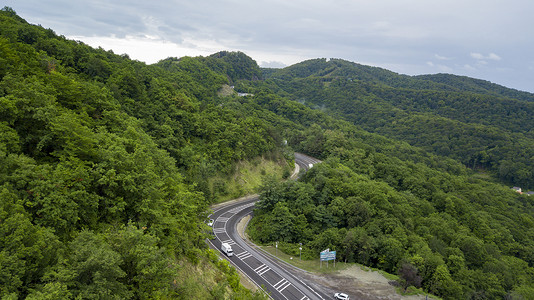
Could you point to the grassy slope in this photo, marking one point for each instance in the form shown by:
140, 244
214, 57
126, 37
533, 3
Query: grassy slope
246, 179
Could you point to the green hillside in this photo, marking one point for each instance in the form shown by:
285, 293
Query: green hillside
485, 126
103, 169
108, 167
468, 84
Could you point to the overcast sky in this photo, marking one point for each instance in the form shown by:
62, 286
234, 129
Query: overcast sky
489, 39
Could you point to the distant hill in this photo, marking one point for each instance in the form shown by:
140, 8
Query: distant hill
468, 84
488, 126
237, 65
336, 68
108, 167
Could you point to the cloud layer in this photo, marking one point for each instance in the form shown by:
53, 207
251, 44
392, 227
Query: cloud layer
485, 39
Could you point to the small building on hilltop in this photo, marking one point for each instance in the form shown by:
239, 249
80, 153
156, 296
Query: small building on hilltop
517, 189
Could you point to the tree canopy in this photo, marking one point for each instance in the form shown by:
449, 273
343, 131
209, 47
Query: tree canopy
101, 160
105, 163
485, 126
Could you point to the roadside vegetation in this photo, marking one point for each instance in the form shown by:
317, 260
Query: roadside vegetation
108, 167
455, 232
372, 278
103, 169
247, 178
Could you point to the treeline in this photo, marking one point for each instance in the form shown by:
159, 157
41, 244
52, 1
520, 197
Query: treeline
465, 237
102, 161
485, 126
386, 204
464, 83
104, 164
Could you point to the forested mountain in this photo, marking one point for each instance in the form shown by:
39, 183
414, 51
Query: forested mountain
103, 169
483, 125
105, 163
468, 84
386, 204
341, 68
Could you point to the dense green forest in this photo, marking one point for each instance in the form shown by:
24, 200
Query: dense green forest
485, 126
105, 164
386, 204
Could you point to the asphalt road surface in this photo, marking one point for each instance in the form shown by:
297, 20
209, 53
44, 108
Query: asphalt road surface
264, 271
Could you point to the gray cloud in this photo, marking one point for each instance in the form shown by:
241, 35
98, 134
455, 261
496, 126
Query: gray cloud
272, 64
412, 36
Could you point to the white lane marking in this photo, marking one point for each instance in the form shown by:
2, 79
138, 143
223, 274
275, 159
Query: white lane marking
243, 255
222, 219
247, 256
282, 285
262, 269
282, 289
219, 230
256, 270
240, 208
283, 280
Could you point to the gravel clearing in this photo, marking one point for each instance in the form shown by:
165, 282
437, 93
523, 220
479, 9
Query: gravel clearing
358, 283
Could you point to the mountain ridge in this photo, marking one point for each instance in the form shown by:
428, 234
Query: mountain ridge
108, 165
483, 117
378, 75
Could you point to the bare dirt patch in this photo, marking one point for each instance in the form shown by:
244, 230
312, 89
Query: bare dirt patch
225, 90
358, 282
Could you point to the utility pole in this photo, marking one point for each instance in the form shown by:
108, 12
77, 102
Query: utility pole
300, 250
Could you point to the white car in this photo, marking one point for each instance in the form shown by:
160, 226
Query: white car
210, 222
341, 296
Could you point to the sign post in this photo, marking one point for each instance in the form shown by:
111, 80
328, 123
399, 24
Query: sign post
300, 250
276, 251
327, 255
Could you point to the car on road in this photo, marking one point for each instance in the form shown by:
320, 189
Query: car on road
341, 296
210, 222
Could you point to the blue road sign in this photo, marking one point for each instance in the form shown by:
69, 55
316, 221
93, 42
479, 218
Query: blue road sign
328, 255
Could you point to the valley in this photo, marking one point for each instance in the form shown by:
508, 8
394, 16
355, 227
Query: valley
109, 167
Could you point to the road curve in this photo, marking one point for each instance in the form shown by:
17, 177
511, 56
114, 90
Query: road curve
261, 269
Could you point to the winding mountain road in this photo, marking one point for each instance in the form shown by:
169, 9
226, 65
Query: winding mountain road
266, 272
